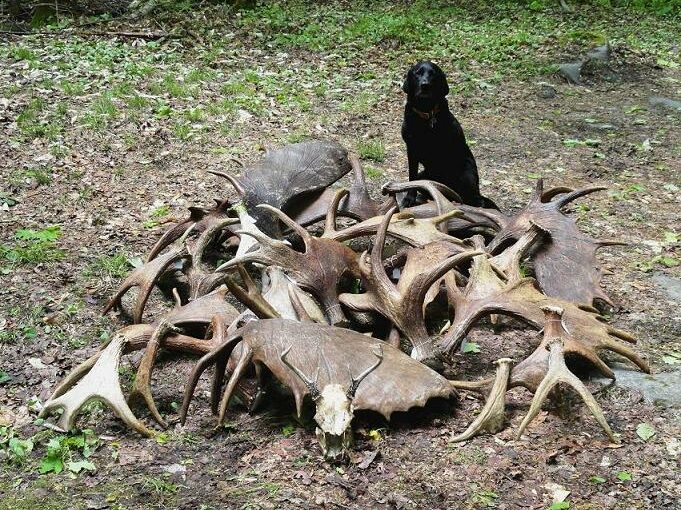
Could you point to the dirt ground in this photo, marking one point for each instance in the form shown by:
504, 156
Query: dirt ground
109, 138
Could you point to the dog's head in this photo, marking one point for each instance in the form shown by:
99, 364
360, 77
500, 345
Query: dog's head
425, 83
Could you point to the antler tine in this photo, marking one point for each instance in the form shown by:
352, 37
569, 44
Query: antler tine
297, 304
332, 212
437, 192
206, 237
238, 187
357, 171
100, 383
304, 234
574, 195
223, 350
548, 195
425, 279
251, 295
356, 381
311, 385
142, 385
376, 255
491, 418
144, 277
558, 372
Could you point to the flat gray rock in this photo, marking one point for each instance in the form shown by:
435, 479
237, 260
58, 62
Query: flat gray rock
670, 285
662, 389
664, 102
601, 53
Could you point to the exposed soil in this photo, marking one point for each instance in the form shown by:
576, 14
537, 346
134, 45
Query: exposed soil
105, 186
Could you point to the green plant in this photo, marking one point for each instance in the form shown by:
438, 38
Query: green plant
156, 215
112, 266
371, 149
17, 450
70, 452
33, 247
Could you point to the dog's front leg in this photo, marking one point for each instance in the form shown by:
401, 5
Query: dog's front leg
410, 199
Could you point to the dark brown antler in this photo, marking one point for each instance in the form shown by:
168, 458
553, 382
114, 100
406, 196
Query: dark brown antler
199, 217
145, 278
568, 251
403, 303
319, 269
201, 277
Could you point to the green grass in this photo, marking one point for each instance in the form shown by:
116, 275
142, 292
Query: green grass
373, 150
111, 266
31, 247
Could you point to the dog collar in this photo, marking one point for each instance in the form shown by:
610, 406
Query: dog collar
428, 115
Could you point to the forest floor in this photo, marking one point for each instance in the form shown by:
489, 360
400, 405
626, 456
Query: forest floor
107, 139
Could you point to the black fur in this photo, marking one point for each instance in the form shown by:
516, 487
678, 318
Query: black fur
435, 138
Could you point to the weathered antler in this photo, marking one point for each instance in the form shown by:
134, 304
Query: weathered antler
491, 418
356, 381
319, 269
403, 303
568, 251
97, 377
554, 333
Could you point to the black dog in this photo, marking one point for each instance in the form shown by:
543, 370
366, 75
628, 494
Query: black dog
435, 138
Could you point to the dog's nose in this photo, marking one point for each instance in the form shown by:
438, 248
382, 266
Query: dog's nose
425, 85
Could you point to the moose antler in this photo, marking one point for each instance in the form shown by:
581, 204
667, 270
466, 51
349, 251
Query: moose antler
403, 226
97, 377
201, 277
491, 418
145, 278
200, 217
356, 203
569, 251
554, 334
319, 269
403, 303
487, 292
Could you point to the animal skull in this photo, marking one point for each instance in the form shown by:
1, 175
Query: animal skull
334, 409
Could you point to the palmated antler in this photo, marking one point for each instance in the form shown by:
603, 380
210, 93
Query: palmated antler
566, 251
356, 203
97, 377
488, 292
319, 269
403, 226
554, 333
402, 303
442, 196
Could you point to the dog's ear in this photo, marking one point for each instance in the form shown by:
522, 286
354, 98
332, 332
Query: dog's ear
442, 80
406, 86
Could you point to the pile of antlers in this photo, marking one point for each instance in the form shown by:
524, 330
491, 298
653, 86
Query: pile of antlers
315, 305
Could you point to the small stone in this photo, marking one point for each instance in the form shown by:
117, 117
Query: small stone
546, 91
601, 53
